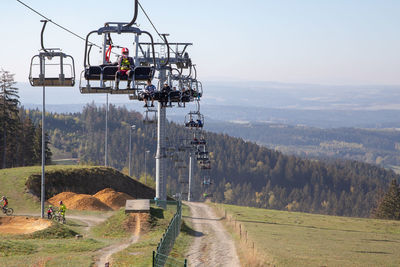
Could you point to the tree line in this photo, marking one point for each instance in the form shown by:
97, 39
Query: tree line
242, 173
20, 138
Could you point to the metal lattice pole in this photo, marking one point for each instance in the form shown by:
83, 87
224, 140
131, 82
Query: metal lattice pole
161, 186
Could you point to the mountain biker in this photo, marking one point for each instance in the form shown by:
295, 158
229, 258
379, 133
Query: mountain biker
62, 209
50, 212
4, 200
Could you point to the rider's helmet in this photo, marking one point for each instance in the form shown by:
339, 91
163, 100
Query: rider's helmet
125, 50
61, 202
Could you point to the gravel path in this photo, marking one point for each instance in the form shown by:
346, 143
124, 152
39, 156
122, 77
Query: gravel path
212, 245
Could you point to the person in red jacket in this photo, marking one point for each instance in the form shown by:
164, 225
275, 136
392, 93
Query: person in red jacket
4, 200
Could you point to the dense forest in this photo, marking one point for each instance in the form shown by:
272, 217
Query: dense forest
376, 146
243, 172
20, 138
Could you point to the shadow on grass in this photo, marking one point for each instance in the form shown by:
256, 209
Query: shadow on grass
157, 213
189, 231
372, 252
380, 240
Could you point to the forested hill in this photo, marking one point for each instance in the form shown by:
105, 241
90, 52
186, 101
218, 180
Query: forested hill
243, 172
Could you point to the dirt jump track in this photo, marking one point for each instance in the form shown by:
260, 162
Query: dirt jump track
22, 225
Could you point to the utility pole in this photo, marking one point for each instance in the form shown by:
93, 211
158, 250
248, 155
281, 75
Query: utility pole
42, 194
130, 149
106, 135
145, 166
191, 161
103, 85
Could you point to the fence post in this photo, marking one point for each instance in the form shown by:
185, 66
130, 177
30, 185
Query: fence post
240, 230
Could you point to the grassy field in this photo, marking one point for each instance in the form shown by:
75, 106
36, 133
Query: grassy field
301, 239
57, 246
12, 185
54, 246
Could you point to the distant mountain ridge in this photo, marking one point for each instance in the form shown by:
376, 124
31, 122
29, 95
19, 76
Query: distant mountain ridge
322, 106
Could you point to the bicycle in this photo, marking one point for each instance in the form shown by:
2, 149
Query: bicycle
58, 217
7, 211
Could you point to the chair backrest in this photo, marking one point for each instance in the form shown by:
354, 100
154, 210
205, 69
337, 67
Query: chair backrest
143, 73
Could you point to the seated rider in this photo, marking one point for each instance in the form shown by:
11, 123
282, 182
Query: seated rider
125, 68
192, 123
5, 202
149, 93
62, 209
165, 94
199, 123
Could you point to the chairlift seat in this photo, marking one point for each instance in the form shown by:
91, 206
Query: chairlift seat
57, 82
143, 73
93, 73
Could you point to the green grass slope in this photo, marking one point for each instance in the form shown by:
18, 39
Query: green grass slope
22, 185
12, 185
302, 239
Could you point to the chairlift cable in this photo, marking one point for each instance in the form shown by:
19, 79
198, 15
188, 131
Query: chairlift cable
55, 23
152, 24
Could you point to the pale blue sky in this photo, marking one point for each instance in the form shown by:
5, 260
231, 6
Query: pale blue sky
303, 41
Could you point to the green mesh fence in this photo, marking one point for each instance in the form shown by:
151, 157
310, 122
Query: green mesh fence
160, 256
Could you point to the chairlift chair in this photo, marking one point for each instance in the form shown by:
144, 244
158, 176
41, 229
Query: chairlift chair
65, 63
205, 165
106, 72
194, 120
150, 116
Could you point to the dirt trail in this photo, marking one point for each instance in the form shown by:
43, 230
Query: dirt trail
212, 245
107, 252
22, 225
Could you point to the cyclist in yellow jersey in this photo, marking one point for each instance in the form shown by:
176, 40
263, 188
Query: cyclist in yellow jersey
62, 209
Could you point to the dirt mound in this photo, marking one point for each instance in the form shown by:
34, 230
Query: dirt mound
85, 202
79, 202
114, 199
64, 196
22, 225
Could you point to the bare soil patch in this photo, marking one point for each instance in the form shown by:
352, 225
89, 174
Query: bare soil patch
104, 200
79, 202
22, 225
114, 199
